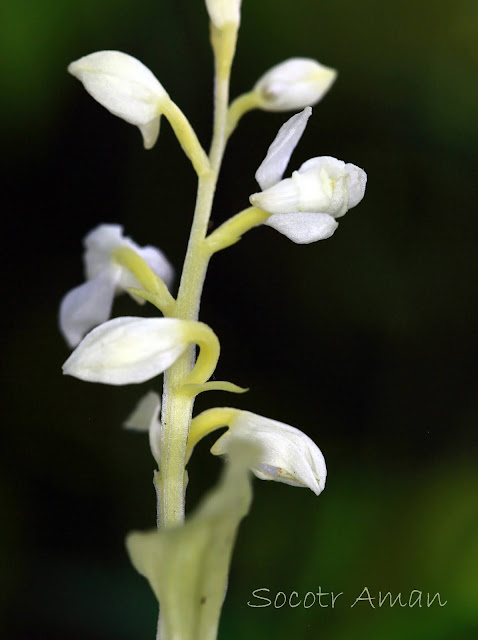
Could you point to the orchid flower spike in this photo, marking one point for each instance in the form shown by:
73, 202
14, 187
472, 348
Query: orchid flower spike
90, 304
294, 84
126, 87
287, 454
305, 207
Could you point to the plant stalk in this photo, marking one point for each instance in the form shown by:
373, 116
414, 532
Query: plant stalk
178, 406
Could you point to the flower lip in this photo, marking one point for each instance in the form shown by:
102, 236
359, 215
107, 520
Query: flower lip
304, 227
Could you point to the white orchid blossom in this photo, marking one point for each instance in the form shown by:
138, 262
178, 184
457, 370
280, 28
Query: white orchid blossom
128, 350
90, 304
124, 86
305, 207
294, 84
287, 454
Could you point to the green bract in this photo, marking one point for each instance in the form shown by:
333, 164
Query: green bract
187, 566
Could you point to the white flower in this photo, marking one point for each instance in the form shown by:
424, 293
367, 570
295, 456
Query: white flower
287, 454
129, 350
305, 206
294, 84
124, 86
90, 304
224, 12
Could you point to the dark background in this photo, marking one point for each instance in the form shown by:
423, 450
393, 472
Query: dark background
366, 341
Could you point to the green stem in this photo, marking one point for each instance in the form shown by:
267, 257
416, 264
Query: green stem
241, 105
207, 422
155, 289
178, 406
187, 137
232, 230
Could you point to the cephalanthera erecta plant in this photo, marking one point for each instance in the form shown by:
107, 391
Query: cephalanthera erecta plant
187, 562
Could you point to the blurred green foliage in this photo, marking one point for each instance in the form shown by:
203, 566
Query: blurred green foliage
367, 341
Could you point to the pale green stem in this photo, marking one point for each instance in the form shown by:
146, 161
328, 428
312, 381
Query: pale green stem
209, 347
187, 137
239, 107
232, 230
178, 406
155, 289
207, 422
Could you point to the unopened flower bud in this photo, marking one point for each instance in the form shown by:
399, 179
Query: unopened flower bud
128, 350
294, 84
224, 12
124, 86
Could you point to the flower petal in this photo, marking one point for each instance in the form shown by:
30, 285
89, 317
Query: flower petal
288, 455
99, 244
87, 306
321, 185
303, 227
102, 241
145, 417
333, 167
122, 84
357, 184
337, 169
283, 197
150, 132
145, 413
280, 151
158, 263
128, 350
